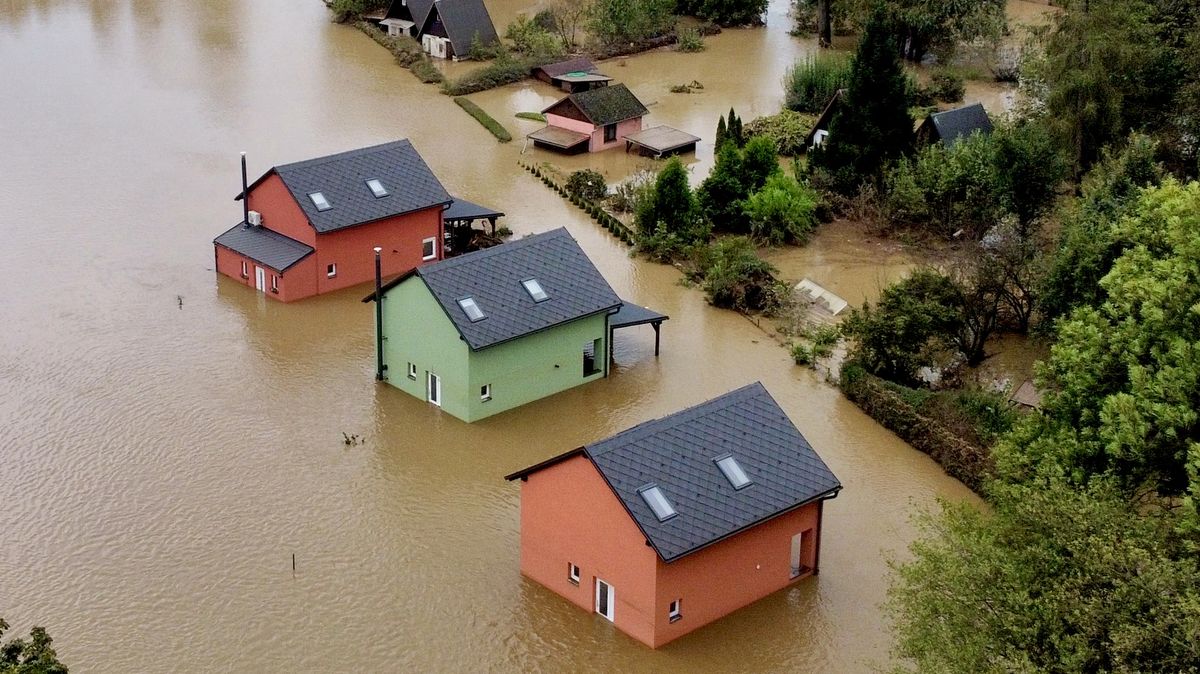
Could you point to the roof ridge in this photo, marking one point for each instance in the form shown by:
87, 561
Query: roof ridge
345, 154
673, 419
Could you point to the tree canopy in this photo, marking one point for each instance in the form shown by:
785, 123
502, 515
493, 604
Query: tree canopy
29, 656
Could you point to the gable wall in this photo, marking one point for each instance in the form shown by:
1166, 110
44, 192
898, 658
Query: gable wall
280, 211
416, 330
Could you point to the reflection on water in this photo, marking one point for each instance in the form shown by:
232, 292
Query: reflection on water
171, 439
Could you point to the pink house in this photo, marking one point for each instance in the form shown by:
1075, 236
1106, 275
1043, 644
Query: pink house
680, 521
593, 120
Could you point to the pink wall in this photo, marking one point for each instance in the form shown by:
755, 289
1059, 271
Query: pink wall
569, 515
569, 124
623, 129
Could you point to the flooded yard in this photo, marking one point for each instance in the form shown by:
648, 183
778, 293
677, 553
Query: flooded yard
171, 439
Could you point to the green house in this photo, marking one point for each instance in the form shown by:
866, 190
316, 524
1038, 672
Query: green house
494, 329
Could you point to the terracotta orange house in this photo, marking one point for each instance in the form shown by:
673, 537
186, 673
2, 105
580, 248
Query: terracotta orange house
311, 227
679, 521
591, 121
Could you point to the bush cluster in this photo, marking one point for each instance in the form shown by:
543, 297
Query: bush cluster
811, 83
587, 184
787, 130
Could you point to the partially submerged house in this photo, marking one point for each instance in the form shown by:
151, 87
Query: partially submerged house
680, 521
404, 17
309, 227
820, 131
497, 328
450, 27
591, 121
572, 76
947, 127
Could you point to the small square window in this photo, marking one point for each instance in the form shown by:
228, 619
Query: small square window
412, 371
573, 573
331, 269
429, 248
654, 497
534, 288
377, 188
674, 612
610, 133
320, 201
485, 392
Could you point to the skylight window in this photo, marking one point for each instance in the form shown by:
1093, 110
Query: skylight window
654, 497
535, 290
732, 471
320, 201
471, 309
377, 188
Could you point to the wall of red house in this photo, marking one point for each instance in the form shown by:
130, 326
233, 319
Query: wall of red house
298, 282
352, 249
280, 211
569, 515
719, 579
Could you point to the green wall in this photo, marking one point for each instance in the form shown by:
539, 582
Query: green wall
417, 330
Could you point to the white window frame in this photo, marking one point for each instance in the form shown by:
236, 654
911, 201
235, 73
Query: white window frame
245, 269
319, 201
412, 371
485, 393
274, 283
432, 241
331, 270
611, 615
572, 573
675, 610
381, 192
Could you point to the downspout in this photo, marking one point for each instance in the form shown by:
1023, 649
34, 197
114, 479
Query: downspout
817, 552
378, 316
245, 195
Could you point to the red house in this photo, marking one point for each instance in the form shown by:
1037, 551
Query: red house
311, 227
679, 521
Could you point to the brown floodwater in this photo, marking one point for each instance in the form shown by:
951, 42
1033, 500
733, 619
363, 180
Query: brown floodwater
170, 439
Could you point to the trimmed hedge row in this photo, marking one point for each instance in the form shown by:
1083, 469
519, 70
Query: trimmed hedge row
601, 216
966, 462
485, 119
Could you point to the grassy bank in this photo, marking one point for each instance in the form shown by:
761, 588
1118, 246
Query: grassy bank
485, 119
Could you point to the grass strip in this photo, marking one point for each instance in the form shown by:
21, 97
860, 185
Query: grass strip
485, 119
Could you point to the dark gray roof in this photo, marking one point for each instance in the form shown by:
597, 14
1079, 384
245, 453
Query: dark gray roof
493, 278
576, 65
462, 209
342, 179
464, 19
954, 124
263, 245
606, 105
631, 314
416, 10
676, 453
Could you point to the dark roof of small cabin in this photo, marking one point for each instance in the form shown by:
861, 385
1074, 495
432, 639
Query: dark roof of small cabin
463, 20
493, 278
825, 117
606, 105
954, 124
678, 454
576, 65
265, 246
343, 177
416, 9
462, 209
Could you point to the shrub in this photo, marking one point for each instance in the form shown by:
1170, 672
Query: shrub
671, 202
485, 119
734, 276
809, 84
506, 69
587, 184
482, 52
426, 71
947, 87
629, 195
690, 41
663, 245
533, 39
783, 211
787, 130
535, 116
947, 190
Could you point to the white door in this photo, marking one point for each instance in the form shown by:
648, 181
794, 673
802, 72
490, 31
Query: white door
260, 279
800, 543
435, 389
605, 598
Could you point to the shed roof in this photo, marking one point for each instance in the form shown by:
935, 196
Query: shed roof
678, 454
263, 245
342, 179
576, 65
462, 209
662, 139
493, 278
959, 122
606, 105
463, 20
559, 137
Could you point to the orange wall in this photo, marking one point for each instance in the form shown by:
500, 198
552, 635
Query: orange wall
724, 577
280, 211
352, 249
569, 515
297, 283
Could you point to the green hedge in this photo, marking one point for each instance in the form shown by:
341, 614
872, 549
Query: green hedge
966, 462
485, 119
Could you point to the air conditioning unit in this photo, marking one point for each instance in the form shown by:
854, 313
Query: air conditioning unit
254, 218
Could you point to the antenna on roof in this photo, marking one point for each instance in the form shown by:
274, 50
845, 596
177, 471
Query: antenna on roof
245, 196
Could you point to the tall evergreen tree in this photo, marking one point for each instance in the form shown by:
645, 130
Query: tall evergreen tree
672, 203
735, 129
871, 126
722, 133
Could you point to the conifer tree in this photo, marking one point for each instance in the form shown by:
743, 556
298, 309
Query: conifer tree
722, 133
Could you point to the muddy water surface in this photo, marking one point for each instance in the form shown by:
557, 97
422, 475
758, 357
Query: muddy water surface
169, 439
